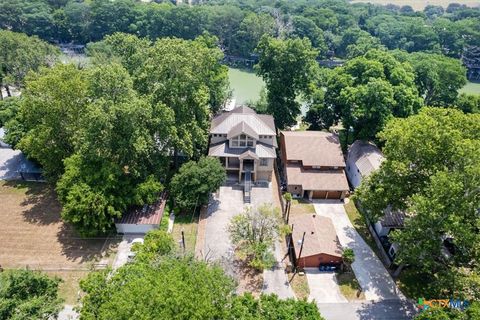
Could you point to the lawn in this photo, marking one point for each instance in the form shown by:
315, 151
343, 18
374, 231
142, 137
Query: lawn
349, 286
33, 235
299, 285
188, 223
360, 225
300, 207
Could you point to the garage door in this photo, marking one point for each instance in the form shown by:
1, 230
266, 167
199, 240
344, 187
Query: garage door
319, 194
334, 194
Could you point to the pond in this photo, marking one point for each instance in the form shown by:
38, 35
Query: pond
246, 85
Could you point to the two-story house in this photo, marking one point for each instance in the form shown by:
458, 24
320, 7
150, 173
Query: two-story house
313, 164
245, 142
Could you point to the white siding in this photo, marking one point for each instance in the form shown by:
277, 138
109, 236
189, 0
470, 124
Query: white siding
134, 228
353, 174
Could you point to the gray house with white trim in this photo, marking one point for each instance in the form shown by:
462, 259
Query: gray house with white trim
245, 142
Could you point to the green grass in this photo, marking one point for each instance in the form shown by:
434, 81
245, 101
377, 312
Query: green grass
188, 223
360, 225
300, 207
299, 285
349, 286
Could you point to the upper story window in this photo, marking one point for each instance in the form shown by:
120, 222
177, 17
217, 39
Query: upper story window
316, 167
263, 162
242, 141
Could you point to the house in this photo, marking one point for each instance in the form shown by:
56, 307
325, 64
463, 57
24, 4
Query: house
313, 164
363, 158
142, 219
391, 220
320, 244
245, 142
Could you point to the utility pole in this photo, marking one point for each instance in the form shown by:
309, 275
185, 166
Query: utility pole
301, 248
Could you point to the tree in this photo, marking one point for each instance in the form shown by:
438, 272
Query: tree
193, 85
254, 232
26, 294
195, 181
468, 103
431, 172
250, 31
438, 78
306, 28
348, 257
156, 243
20, 54
369, 90
51, 106
271, 307
169, 289
288, 67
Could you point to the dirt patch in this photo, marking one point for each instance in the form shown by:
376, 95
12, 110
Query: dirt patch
33, 235
249, 279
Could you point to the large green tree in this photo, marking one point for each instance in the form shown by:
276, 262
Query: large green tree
369, 90
26, 294
288, 68
195, 181
437, 77
432, 173
188, 78
20, 54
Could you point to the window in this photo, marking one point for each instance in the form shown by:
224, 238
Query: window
242, 141
263, 162
335, 168
316, 167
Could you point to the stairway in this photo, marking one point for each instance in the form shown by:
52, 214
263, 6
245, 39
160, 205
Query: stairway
247, 190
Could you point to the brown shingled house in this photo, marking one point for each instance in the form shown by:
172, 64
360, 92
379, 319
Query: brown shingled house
313, 163
320, 246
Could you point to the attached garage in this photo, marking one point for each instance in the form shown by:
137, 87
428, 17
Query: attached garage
334, 195
320, 244
140, 220
319, 194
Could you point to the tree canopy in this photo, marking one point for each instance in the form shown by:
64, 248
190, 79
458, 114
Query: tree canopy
368, 91
431, 172
26, 294
288, 67
195, 181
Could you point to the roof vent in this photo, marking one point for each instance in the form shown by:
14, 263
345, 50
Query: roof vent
314, 215
313, 232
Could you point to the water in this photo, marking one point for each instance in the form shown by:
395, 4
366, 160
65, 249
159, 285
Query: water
246, 85
471, 88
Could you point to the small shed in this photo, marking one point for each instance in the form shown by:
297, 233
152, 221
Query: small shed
141, 219
320, 245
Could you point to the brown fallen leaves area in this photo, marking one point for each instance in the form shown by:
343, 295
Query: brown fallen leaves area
33, 235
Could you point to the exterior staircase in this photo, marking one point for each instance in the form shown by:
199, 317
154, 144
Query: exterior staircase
247, 189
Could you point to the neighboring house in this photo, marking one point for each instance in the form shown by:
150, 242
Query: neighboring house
320, 244
313, 164
363, 158
390, 221
245, 142
142, 219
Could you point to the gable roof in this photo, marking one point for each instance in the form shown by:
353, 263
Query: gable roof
222, 149
320, 235
148, 214
313, 148
242, 127
366, 156
261, 124
312, 179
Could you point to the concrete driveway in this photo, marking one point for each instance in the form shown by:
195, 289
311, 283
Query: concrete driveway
225, 205
372, 276
124, 249
323, 286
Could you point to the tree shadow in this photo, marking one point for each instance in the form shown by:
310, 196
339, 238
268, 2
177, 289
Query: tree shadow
387, 309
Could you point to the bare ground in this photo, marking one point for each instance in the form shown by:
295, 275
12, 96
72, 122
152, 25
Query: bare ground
33, 235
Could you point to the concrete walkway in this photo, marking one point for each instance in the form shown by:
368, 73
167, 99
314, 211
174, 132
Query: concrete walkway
372, 276
275, 279
323, 286
124, 249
